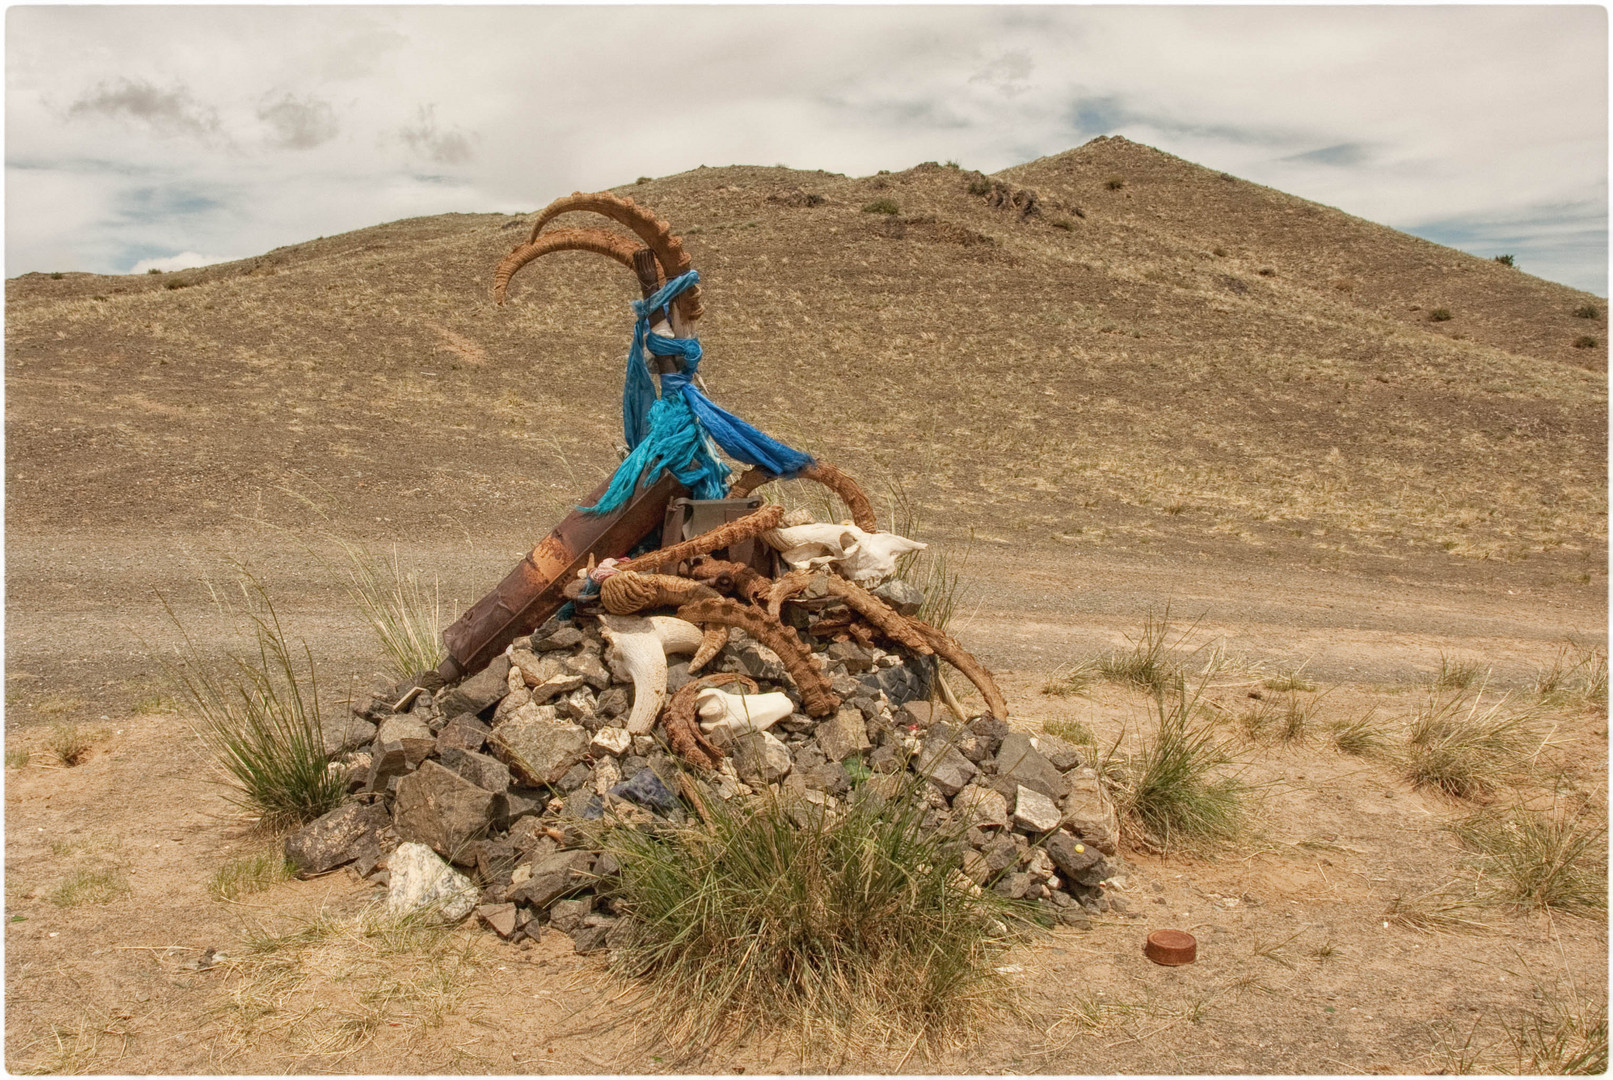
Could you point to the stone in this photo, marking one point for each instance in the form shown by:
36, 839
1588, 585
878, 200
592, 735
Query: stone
591, 939
495, 860
611, 740
577, 706
537, 749
980, 806
757, 661
356, 771
760, 758
416, 737
533, 669
643, 745
479, 691
335, 838
910, 681
561, 637
1034, 812
918, 714
989, 728
553, 877
1039, 865
559, 686
1063, 756
829, 777
842, 735
613, 703
975, 867
853, 656
1088, 812
464, 732
388, 761
566, 915
511, 701
807, 756
904, 597
419, 881
647, 790
677, 676
529, 835
1073, 916
888, 758
438, 807
500, 918
1019, 763
1014, 885
1000, 854
577, 776
485, 772
939, 761
1070, 855
590, 668
607, 774
346, 733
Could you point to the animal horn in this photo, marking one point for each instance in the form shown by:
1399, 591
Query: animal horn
599, 241
652, 230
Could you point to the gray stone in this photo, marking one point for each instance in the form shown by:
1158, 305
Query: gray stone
1014, 886
576, 706
1018, 761
1064, 756
1070, 855
438, 807
760, 758
1001, 854
989, 728
981, 806
511, 806
416, 737
346, 733
842, 735
553, 877
807, 756
845, 686
757, 661
559, 686
537, 749
889, 757
918, 714
329, 841
419, 881
940, 762
591, 939
901, 595
613, 703
1088, 812
566, 915
852, 655
561, 637
577, 776
500, 918
464, 732
909, 681
1035, 812
388, 761
479, 691
534, 669
495, 861
590, 668
1073, 916
530, 835
485, 772
677, 676
648, 790
829, 777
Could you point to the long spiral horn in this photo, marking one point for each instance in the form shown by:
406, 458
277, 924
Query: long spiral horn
652, 230
611, 245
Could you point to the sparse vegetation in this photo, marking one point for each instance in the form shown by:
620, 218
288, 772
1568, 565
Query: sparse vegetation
57, 275
1587, 311
1440, 314
249, 874
1585, 341
1072, 680
1220, 253
153, 270
1505, 260
980, 186
1457, 674
259, 714
1267, 271
1289, 681
1360, 736
1152, 663
856, 923
1172, 786
1071, 731
406, 617
1565, 1035
882, 206
1465, 750
1576, 672
18, 758
70, 744
1545, 860
1439, 910
91, 885
1115, 183
1063, 223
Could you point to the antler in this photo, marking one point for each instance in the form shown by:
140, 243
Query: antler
651, 229
599, 241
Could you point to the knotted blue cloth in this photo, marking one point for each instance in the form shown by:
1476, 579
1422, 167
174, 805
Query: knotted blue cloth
681, 430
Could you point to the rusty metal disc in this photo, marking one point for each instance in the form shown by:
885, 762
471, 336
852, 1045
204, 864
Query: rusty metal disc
1171, 947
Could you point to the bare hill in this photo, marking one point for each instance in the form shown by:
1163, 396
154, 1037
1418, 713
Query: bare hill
1154, 358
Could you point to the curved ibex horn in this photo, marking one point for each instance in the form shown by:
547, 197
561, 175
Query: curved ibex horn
600, 242
651, 229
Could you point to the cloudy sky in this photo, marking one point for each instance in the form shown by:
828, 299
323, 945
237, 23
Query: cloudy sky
172, 136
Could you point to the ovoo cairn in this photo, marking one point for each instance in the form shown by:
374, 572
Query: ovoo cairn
677, 640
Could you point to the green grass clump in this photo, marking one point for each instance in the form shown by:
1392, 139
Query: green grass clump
1152, 663
882, 206
1466, 751
90, 886
405, 616
775, 917
1115, 183
70, 745
1172, 786
18, 758
1440, 314
258, 712
249, 874
1541, 860
1587, 311
1505, 260
1071, 731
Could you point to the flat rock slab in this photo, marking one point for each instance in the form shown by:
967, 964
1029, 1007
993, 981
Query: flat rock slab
843, 734
336, 838
1020, 764
438, 807
479, 691
539, 750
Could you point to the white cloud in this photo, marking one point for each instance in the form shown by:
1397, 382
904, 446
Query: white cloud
185, 260
237, 129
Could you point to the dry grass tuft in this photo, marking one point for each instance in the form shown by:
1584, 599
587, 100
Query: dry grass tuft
1071, 731
1578, 673
1071, 681
1440, 911
1541, 860
1465, 750
1457, 674
1362, 736
249, 874
405, 616
70, 744
88, 885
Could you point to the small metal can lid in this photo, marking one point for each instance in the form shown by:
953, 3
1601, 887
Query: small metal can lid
1171, 947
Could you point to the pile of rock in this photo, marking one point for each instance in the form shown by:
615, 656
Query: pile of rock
472, 798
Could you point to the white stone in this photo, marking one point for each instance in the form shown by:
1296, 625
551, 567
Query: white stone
606, 776
977, 805
612, 740
418, 881
724, 717
1035, 812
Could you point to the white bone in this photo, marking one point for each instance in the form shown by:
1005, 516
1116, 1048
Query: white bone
864, 557
640, 647
724, 716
